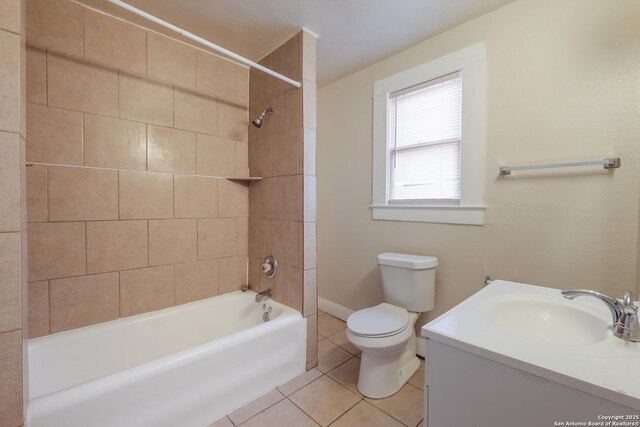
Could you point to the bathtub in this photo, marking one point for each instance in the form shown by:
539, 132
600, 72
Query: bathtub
182, 366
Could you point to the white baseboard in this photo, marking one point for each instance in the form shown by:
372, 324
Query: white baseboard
334, 309
342, 312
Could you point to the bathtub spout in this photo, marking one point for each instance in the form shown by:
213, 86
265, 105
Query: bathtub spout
263, 295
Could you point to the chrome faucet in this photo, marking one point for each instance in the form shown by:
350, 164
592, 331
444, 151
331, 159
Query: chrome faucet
263, 295
625, 314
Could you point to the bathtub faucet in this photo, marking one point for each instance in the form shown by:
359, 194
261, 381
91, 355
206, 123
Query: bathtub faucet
263, 295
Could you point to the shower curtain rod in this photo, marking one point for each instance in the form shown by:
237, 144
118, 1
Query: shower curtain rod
202, 41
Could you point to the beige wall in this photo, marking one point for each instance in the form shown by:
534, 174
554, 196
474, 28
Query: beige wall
132, 134
563, 85
13, 224
282, 219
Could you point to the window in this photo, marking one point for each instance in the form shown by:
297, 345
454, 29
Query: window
428, 143
424, 142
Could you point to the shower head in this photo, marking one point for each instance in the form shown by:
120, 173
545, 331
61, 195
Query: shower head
258, 122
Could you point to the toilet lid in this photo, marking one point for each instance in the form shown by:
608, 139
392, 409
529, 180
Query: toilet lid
383, 319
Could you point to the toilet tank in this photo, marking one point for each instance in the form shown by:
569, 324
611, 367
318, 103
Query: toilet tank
408, 280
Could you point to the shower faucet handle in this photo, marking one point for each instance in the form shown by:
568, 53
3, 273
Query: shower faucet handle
270, 267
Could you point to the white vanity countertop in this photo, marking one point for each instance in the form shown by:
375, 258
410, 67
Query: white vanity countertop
595, 362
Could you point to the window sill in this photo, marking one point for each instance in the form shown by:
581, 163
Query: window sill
466, 215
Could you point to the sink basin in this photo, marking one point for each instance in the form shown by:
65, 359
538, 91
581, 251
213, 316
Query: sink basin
546, 320
535, 330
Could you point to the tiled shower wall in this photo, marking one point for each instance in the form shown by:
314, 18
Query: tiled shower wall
13, 224
282, 219
131, 136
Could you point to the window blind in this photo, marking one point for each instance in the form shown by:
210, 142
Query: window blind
424, 142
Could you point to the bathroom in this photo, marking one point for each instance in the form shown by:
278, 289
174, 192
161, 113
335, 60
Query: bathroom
134, 185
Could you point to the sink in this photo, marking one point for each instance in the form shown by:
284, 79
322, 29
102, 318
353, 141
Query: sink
547, 320
537, 331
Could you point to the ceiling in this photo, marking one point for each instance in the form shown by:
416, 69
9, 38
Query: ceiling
352, 34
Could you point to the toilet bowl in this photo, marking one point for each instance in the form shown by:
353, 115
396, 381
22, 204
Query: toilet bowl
385, 333
388, 358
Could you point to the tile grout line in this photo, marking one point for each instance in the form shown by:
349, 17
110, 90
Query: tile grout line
336, 420
120, 169
46, 78
117, 92
84, 40
49, 308
312, 381
338, 365
363, 397
127, 119
331, 379
316, 421
350, 408
173, 276
119, 296
113, 271
248, 403
86, 250
158, 33
146, 147
146, 53
302, 410
385, 412
114, 220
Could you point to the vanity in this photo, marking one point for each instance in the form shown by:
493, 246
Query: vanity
522, 355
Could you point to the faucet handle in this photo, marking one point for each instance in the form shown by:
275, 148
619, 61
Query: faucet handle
628, 325
627, 300
270, 267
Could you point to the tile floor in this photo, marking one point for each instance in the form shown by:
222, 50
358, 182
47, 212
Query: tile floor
327, 395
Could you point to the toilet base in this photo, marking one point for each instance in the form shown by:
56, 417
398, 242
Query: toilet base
382, 375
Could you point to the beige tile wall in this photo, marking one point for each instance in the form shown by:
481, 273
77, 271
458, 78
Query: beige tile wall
13, 221
282, 206
131, 135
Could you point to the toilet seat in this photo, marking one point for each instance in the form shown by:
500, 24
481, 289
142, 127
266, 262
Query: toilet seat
383, 320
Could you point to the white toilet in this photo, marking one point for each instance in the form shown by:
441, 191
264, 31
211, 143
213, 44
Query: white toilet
385, 333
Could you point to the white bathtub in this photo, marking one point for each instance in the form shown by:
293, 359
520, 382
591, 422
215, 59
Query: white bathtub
181, 366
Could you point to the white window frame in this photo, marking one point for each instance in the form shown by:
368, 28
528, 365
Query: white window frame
471, 61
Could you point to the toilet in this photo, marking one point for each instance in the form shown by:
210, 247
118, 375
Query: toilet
385, 333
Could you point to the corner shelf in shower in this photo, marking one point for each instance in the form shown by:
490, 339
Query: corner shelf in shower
244, 178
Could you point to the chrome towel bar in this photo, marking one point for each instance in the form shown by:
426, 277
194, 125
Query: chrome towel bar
610, 163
